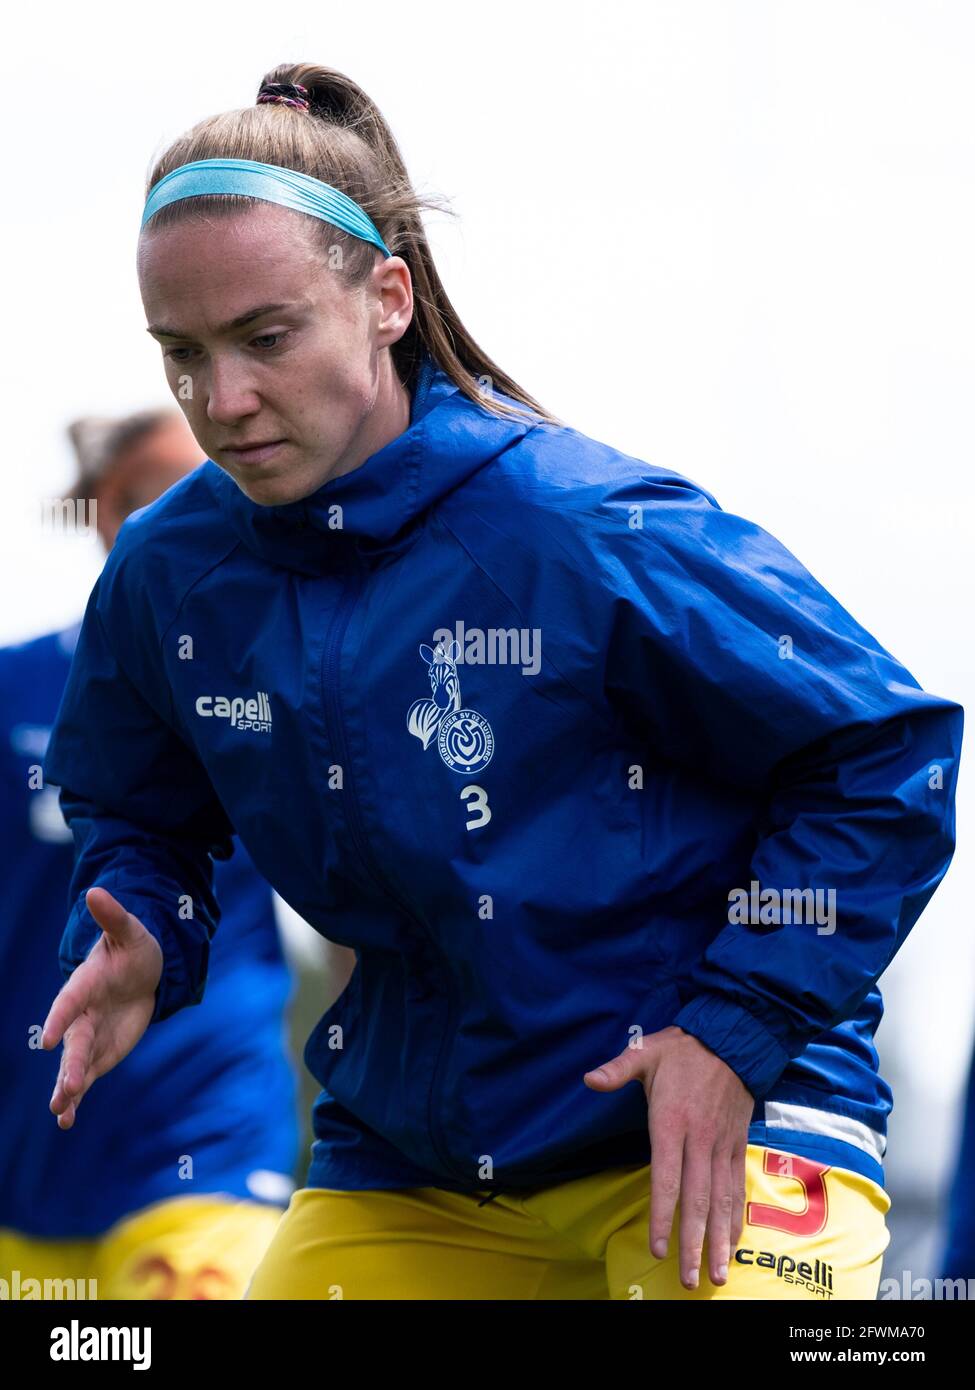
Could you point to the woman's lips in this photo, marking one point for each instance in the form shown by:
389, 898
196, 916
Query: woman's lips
258, 454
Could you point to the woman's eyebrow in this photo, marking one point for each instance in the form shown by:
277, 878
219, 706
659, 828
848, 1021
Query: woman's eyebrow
159, 330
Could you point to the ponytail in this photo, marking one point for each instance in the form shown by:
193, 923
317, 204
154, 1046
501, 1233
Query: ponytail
343, 140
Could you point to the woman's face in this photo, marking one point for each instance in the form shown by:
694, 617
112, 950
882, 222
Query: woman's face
263, 343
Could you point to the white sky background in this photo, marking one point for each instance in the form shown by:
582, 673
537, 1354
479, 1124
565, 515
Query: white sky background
730, 238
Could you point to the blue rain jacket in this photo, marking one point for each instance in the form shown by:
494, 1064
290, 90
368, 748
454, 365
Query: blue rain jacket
541, 732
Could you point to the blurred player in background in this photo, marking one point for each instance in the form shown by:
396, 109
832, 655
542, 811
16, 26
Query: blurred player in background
173, 1183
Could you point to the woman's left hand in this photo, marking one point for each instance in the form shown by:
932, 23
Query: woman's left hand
698, 1112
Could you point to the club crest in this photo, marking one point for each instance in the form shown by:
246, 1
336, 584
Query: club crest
464, 737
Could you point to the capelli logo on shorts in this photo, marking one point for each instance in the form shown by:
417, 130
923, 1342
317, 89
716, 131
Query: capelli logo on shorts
817, 1277
77, 1343
253, 714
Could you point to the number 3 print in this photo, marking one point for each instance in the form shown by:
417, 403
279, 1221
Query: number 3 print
478, 805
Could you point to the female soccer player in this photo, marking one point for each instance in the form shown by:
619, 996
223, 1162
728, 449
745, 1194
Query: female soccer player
586, 770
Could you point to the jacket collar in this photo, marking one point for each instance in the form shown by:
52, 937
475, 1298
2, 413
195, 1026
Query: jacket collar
449, 438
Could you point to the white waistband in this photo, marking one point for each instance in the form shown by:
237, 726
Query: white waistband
779, 1115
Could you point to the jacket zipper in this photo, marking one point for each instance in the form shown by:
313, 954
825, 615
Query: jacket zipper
347, 601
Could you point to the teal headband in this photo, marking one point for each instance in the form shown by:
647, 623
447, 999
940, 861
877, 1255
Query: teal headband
272, 184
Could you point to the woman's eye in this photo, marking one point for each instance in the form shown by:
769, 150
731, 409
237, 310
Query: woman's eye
261, 341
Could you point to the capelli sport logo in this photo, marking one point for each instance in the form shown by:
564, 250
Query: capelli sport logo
253, 714
816, 1275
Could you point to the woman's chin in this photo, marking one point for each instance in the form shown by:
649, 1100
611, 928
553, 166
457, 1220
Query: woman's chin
273, 489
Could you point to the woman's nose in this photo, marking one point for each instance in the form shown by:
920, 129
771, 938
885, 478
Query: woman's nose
231, 393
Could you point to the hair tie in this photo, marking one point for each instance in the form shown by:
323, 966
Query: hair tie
285, 94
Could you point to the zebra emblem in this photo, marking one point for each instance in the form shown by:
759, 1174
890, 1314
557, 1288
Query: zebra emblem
464, 737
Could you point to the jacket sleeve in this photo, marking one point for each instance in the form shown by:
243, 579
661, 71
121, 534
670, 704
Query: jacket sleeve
142, 811
723, 649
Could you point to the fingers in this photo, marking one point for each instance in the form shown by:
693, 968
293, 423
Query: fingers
737, 1222
111, 916
699, 1113
66, 1118
666, 1149
719, 1217
69, 1004
628, 1066
695, 1205
122, 928
74, 1071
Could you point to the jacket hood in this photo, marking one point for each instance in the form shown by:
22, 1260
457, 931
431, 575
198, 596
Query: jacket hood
374, 508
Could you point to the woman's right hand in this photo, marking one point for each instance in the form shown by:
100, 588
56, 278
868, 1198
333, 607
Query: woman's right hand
105, 1007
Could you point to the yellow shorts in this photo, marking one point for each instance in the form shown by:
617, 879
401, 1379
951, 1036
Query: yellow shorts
184, 1248
811, 1232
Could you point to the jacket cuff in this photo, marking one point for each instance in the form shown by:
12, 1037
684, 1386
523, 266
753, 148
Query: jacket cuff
185, 951
738, 1038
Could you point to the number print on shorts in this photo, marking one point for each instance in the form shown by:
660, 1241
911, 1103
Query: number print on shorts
479, 805
811, 1178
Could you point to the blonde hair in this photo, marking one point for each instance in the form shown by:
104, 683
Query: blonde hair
344, 140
